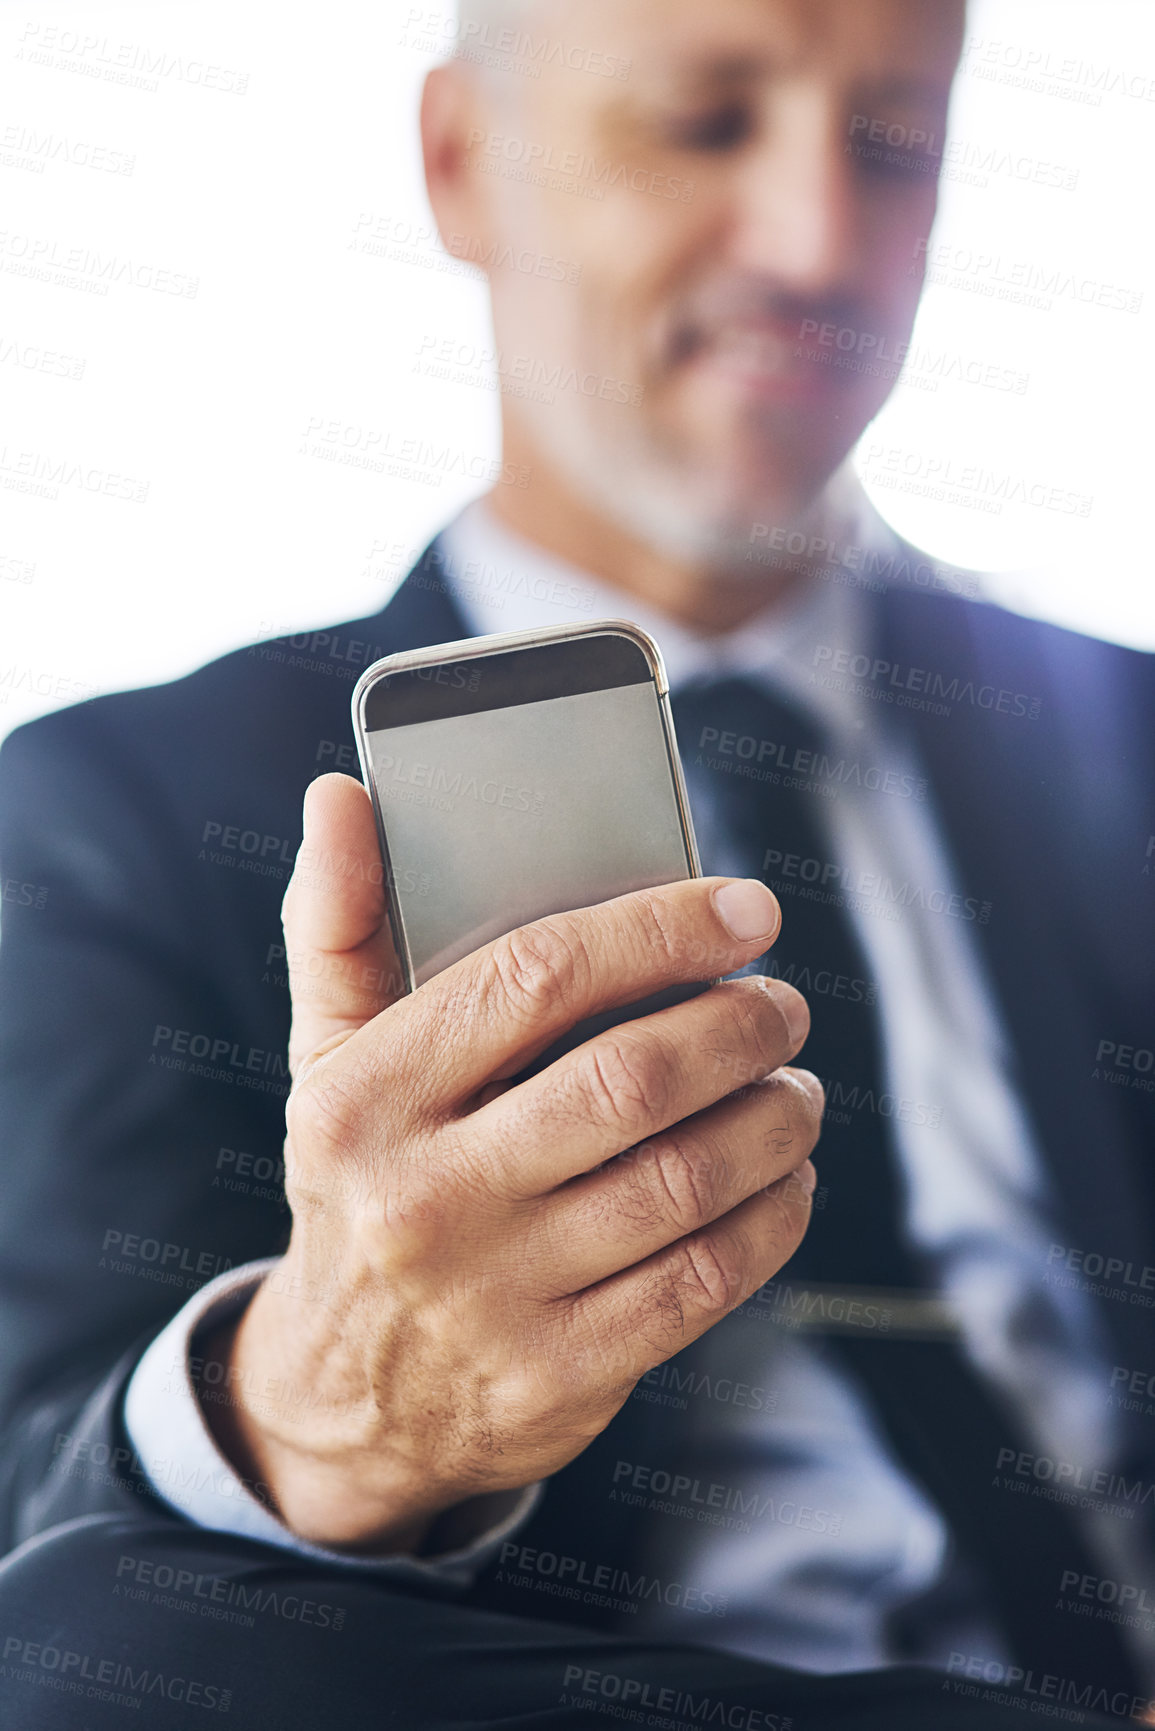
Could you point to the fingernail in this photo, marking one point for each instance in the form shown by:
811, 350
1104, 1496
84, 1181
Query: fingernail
807, 1177
747, 909
797, 1013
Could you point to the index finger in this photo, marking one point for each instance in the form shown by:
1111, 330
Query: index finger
491, 1013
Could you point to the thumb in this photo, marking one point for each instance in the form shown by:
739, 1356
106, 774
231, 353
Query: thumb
343, 968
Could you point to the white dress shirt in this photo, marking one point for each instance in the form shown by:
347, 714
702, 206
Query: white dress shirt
975, 1198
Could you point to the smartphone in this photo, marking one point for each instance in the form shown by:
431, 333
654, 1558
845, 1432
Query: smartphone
521, 775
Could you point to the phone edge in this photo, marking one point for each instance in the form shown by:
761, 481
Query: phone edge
471, 648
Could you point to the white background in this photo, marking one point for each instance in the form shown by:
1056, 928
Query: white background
260, 193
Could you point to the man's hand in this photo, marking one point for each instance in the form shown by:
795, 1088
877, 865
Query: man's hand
480, 1271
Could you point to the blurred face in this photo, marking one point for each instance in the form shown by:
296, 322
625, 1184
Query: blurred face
745, 208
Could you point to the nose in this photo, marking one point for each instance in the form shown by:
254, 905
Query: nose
795, 215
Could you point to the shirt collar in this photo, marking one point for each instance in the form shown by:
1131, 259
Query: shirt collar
503, 582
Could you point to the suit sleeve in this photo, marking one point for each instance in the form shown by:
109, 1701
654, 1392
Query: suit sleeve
115, 971
175, 1450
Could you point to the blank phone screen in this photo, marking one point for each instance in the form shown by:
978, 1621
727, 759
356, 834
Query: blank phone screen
498, 818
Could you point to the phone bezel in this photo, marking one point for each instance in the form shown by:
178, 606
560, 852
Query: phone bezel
501, 643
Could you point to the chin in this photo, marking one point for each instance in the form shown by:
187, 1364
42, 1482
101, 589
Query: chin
780, 491
770, 461
708, 524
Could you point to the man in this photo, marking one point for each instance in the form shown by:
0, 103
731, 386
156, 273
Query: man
519, 1407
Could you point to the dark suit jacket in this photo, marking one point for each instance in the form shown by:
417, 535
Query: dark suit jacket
147, 839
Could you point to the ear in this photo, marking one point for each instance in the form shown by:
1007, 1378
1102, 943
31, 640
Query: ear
453, 127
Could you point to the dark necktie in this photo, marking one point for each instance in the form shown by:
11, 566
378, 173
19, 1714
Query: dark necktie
750, 767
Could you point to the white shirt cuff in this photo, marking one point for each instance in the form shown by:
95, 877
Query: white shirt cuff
178, 1454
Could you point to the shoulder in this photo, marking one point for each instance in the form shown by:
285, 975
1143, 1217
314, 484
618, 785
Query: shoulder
945, 635
224, 753
279, 705
280, 701
100, 790
934, 622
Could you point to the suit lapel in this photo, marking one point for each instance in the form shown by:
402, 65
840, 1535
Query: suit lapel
996, 780
423, 611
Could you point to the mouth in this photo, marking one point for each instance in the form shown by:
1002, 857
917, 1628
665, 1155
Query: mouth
763, 358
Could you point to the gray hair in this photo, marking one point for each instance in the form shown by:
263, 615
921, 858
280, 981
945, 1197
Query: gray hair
498, 13
479, 27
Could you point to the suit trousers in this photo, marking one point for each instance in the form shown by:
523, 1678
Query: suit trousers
110, 1621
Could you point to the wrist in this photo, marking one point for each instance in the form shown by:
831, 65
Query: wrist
283, 1438
303, 1450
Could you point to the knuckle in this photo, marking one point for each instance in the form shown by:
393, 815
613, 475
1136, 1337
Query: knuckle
809, 1100
333, 1153
704, 1279
321, 1112
626, 1078
659, 934
791, 1205
686, 1185
775, 996
409, 1230
759, 1025
750, 1033
535, 966
786, 994
790, 996
801, 1201
779, 1143
788, 1118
